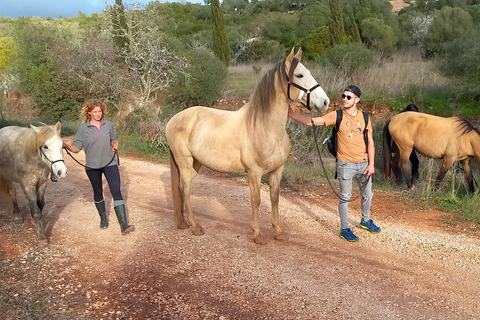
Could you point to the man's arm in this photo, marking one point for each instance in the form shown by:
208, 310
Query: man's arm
371, 155
306, 120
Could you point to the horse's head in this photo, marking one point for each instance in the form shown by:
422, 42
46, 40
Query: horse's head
51, 149
302, 86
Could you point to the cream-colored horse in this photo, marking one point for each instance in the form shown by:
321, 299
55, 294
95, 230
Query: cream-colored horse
252, 139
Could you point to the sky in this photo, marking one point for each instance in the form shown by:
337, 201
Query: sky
65, 8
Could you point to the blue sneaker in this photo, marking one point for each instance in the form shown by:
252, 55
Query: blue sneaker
370, 226
348, 235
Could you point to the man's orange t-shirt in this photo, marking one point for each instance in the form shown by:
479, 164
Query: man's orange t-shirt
351, 145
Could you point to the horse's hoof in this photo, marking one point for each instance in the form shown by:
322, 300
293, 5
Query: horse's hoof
183, 225
198, 231
260, 240
43, 243
18, 219
281, 237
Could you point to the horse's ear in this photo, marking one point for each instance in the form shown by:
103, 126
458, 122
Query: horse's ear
299, 54
36, 129
288, 60
58, 127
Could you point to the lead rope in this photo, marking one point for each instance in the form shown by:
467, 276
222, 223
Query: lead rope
114, 154
323, 165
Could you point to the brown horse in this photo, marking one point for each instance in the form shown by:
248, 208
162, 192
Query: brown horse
252, 139
450, 139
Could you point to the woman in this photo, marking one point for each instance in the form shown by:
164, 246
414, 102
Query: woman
97, 136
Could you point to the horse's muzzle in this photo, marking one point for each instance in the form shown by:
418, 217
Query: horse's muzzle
322, 106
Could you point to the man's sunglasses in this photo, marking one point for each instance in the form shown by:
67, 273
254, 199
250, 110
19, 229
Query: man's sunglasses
348, 97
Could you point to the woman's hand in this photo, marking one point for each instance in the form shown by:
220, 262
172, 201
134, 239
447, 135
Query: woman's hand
114, 145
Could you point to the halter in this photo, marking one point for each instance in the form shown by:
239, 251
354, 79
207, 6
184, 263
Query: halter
308, 91
52, 174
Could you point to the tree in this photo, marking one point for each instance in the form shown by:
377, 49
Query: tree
281, 27
378, 35
314, 16
336, 27
149, 54
355, 32
221, 48
448, 24
316, 43
461, 63
7, 52
119, 23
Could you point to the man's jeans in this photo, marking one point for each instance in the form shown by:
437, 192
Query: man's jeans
346, 171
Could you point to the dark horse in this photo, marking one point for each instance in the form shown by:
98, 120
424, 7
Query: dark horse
450, 139
389, 148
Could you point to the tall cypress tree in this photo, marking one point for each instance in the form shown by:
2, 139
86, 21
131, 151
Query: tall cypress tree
336, 27
221, 49
120, 26
355, 32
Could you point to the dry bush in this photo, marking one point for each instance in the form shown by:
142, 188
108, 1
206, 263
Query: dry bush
394, 76
153, 132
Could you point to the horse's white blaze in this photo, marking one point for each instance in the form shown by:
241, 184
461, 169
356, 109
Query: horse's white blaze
318, 98
52, 149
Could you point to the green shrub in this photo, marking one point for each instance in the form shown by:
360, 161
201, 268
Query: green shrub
353, 56
315, 43
203, 84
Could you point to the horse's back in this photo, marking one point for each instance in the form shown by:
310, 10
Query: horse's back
428, 134
8, 151
211, 136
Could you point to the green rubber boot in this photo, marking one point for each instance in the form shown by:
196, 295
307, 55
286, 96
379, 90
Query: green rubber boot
122, 219
103, 214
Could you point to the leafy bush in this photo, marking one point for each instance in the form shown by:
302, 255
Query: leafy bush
204, 82
461, 63
351, 57
378, 35
447, 25
315, 43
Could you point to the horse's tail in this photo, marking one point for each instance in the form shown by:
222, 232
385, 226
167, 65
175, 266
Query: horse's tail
388, 148
3, 185
177, 196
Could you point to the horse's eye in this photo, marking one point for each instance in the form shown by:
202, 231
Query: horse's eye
45, 147
299, 75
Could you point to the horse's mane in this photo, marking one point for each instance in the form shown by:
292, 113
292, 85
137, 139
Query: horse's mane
467, 126
32, 141
264, 96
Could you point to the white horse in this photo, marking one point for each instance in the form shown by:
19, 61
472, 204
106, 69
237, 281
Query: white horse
27, 157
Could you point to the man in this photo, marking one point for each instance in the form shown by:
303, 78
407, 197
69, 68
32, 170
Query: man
355, 157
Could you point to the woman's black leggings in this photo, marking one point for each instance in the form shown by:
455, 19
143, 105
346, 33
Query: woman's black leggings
113, 178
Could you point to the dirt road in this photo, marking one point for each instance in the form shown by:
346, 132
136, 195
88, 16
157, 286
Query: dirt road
408, 271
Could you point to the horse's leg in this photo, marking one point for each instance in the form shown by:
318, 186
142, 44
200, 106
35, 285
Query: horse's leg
397, 171
447, 163
31, 194
274, 181
41, 196
176, 194
415, 164
187, 173
404, 158
254, 183
387, 152
468, 174
17, 217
